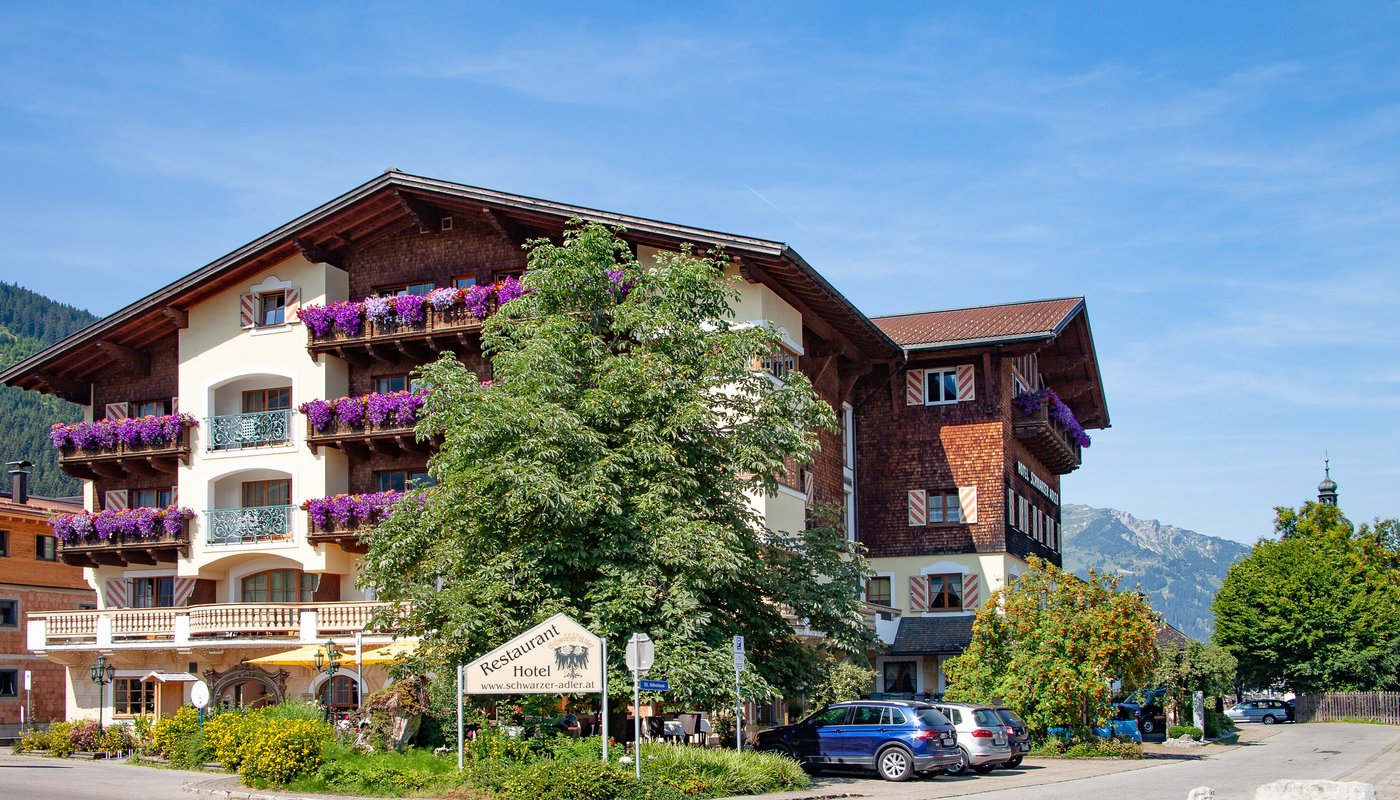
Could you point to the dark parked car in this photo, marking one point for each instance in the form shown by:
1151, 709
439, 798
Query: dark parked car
1150, 718
1020, 735
896, 739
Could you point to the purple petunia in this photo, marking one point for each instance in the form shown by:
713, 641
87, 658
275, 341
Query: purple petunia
107, 434
509, 289
318, 319
138, 523
378, 309
477, 299
347, 510
1030, 404
618, 284
349, 317
318, 412
350, 410
409, 308
444, 298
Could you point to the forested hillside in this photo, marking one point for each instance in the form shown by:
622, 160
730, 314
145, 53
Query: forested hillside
28, 322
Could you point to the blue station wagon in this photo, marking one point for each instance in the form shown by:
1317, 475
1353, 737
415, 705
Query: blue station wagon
896, 739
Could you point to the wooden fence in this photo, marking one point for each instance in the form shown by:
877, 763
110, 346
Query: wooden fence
1381, 707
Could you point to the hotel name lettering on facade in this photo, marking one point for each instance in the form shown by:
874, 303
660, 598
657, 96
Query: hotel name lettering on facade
1037, 483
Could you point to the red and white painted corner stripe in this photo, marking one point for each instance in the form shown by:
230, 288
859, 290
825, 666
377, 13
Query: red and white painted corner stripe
246, 314
114, 500
184, 587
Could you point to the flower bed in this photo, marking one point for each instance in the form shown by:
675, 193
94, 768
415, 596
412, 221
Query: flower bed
348, 318
398, 409
345, 510
144, 523
1030, 404
108, 434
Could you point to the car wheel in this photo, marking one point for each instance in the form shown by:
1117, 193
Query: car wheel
983, 769
959, 768
895, 764
1269, 719
1148, 725
1014, 763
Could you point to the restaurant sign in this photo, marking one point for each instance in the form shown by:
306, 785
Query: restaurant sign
1035, 481
557, 656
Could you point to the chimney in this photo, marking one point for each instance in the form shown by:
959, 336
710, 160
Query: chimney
19, 481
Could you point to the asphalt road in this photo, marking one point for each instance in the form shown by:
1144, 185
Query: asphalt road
1332, 751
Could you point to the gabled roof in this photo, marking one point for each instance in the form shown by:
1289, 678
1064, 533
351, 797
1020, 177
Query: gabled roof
394, 200
932, 636
999, 324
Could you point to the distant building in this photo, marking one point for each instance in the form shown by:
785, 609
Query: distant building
32, 580
1327, 489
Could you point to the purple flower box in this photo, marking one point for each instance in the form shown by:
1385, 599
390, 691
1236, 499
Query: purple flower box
140, 523
1030, 404
397, 409
108, 434
350, 510
348, 317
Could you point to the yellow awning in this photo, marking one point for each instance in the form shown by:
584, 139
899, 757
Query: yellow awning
389, 653
304, 656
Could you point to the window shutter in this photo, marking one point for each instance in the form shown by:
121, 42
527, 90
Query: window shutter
116, 593
967, 500
918, 593
114, 500
115, 411
174, 405
1010, 509
918, 507
293, 305
809, 487
184, 587
966, 386
972, 591
247, 310
914, 387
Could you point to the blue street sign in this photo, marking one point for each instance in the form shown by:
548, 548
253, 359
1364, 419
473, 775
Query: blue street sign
655, 686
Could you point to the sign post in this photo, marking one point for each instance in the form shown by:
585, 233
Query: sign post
605, 699
640, 655
460, 745
740, 663
28, 684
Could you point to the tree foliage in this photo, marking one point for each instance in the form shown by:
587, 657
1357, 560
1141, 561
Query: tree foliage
1195, 667
606, 470
1048, 644
1318, 608
840, 681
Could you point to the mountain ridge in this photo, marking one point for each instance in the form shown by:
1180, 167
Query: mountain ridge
1179, 569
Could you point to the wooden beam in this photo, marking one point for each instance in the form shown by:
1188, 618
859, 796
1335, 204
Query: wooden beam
134, 361
1061, 363
508, 228
427, 217
810, 318
352, 355
849, 379
79, 392
178, 317
159, 464
144, 557
745, 269
317, 254
1070, 389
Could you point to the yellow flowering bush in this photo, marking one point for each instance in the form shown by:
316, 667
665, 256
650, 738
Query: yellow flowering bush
227, 736
282, 749
170, 732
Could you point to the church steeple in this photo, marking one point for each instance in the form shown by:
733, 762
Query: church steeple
1327, 490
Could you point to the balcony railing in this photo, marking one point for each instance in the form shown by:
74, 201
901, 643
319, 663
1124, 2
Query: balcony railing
255, 524
124, 549
241, 431
227, 623
396, 341
122, 460
1047, 440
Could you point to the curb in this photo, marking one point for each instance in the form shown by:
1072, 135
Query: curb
221, 788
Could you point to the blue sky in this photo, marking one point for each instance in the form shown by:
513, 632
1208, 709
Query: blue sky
1221, 181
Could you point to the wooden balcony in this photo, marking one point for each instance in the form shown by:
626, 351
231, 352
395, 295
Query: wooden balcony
393, 342
347, 537
362, 441
125, 461
185, 626
1047, 440
122, 550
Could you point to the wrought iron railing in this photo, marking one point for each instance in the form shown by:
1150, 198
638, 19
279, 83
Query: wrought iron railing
260, 429
256, 524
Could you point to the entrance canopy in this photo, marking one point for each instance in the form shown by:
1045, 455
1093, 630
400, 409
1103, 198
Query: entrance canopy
169, 677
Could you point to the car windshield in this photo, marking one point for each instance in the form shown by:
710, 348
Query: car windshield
986, 717
1011, 718
931, 718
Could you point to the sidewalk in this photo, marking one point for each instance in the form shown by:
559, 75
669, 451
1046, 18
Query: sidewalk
229, 787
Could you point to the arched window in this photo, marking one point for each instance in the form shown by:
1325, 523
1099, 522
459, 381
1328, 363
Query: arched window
280, 586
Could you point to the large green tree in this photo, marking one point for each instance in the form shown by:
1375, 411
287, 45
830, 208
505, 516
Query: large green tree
1190, 668
606, 470
1050, 645
1318, 608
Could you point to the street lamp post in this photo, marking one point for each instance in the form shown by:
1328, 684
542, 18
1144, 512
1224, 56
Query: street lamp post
102, 674
329, 663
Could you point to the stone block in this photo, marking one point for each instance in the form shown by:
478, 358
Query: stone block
1315, 790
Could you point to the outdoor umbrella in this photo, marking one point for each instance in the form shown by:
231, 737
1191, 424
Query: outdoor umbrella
389, 653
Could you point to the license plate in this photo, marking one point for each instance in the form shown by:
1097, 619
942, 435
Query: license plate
999, 742
949, 742
1024, 747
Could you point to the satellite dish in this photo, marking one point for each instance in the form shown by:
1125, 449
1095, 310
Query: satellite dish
199, 694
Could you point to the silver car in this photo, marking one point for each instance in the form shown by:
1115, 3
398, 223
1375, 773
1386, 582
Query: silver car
982, 737
1267, 711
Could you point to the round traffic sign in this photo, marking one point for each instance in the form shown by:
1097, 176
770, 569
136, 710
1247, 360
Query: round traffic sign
199, 694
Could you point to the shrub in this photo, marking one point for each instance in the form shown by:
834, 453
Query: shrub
1178, 731
33, 740
116, 739
228, 734
346, 771
568, 780
83, 735
191, 752
698, 771
284, 749
169, 734
1104, 748
59, 743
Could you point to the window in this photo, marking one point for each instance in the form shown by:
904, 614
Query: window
385, 384
9, 683
944, 507
9, 613
411, 288
1011, 509
258, 400
867, 715
152, 592
400, 479
45, 548
464, 282
4, 543
901, 677
280, 586
261, 494
272, 309
133, 696
945, 592
830, 716
152, 498
940, 386
877, 590
150, 408
779, 364
893, 716
342, 692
